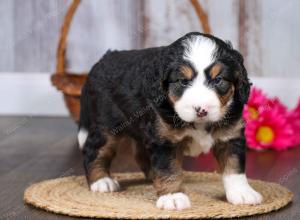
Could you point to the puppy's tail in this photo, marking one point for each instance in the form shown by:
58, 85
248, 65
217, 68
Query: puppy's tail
84, 119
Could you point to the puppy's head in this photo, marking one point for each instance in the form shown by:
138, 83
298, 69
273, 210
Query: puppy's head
206, 79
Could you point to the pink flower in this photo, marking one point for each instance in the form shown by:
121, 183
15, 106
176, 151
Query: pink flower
270, 130
269, 124
275, 103
257, 101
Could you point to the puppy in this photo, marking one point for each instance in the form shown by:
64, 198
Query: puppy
182, 99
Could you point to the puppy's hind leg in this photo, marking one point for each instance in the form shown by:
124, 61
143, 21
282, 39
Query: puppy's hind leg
99, 150
82, 136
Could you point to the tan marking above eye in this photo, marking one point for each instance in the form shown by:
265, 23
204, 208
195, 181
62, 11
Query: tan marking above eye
187, 71
215, 70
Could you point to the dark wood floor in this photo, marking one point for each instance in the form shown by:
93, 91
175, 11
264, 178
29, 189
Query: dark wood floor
34, 149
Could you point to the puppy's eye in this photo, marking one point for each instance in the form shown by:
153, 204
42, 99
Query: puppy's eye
222, 86
184, 82
217, 80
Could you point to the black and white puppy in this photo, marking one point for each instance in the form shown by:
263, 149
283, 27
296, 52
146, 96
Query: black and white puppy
170, 101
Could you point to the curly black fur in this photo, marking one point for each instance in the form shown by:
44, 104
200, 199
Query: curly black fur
127, 91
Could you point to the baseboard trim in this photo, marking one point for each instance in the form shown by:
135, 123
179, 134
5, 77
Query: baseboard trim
33, 94
30, 94
285, 88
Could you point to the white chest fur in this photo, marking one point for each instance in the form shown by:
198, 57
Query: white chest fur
201, 143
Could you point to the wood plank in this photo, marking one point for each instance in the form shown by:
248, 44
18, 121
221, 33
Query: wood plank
36, 30
7, 56
250, 35
99, 26
280, 38
266, 32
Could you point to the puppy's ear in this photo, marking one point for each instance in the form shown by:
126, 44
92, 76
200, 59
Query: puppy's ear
156, 81
154, 86
242, 84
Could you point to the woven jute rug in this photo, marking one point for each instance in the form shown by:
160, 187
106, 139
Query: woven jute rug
71, 196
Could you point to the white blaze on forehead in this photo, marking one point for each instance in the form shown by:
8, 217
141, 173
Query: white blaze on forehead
199, 51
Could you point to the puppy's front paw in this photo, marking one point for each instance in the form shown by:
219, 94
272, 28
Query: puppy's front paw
245, 195
238, 191
175, 201
105, 184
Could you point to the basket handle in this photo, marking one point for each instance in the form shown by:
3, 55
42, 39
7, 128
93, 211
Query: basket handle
202, 15
61, 50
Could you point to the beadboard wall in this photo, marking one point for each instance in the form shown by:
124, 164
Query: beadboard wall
266, 32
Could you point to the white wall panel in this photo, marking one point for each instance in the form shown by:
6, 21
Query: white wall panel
99, 26
6, 36
30, 29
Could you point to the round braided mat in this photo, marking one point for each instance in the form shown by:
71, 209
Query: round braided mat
71, 196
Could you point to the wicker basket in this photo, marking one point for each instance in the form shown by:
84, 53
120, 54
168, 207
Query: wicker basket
70, 84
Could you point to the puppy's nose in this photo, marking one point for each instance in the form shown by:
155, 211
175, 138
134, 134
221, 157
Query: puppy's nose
201, 112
